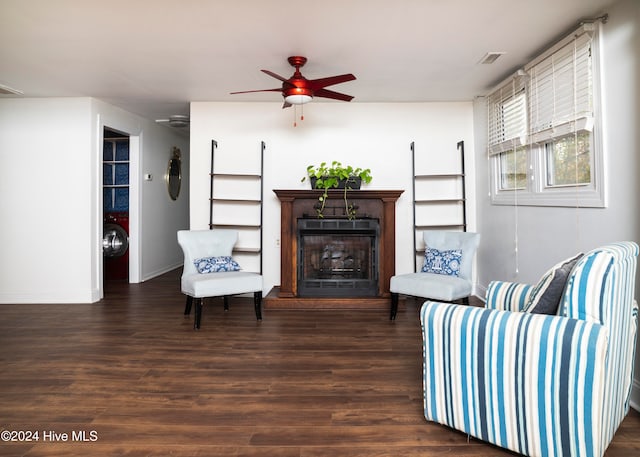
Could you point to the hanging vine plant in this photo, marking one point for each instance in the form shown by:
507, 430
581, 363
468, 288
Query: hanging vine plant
336, 176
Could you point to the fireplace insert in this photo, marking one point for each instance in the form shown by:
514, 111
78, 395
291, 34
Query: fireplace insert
337, 257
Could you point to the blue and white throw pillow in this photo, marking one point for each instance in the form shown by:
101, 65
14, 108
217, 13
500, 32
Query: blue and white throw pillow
216, 264
442, 262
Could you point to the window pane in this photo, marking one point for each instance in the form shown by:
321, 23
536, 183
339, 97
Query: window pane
107, 174
569, 160
513, 169
122, 174
107, 151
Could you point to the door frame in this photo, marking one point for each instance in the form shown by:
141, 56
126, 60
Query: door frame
135, 153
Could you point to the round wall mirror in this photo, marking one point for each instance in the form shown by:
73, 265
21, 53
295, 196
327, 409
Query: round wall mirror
174, 174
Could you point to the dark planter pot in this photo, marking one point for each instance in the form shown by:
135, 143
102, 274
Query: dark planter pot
354, 182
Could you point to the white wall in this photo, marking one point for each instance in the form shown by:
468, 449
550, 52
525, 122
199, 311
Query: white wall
51, 198
375, 136
547, 235
161, 217
45, 200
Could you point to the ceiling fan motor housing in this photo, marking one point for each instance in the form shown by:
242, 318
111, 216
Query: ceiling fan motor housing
297, 86
297, 61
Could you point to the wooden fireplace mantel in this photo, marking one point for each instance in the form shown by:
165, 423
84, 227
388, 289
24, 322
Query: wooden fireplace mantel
295, 204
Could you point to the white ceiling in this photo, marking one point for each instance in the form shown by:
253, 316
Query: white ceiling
151, 57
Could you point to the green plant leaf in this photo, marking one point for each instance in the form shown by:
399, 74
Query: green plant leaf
330, 177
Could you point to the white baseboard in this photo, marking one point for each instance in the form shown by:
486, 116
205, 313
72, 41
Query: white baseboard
153, 274
50, 297
480, 291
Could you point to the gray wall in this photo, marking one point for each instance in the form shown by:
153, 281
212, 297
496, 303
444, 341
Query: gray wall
547, 235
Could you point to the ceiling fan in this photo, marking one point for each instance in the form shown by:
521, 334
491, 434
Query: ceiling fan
176, 120
298, 90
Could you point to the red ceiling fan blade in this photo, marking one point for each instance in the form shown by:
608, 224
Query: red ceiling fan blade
316, 84
259, 90
273, 75
325, 93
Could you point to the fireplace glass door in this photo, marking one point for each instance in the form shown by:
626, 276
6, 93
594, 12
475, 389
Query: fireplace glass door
337, 258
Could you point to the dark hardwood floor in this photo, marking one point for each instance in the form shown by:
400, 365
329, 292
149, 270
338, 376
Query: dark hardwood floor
133, 376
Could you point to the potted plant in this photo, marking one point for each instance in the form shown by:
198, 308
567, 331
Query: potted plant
336, 176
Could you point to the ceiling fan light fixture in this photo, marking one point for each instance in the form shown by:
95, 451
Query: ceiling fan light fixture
176, 120
179, 121
298, 99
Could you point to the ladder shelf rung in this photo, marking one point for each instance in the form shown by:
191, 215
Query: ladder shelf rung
438, 226
234, 200
440, 176
236, 175
247, 250
440, 200
238, 226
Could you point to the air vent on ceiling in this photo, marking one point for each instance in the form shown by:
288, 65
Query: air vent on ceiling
490, 57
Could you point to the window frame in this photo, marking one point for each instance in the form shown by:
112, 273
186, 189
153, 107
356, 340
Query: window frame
536, 192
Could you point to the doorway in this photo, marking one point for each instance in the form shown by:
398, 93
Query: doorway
116, 181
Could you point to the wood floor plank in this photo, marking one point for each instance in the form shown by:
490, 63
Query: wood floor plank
312, 383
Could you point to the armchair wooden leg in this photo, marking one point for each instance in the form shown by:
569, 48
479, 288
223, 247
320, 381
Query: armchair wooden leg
394, 305
198, 316
257, 303
187, 308
225, 300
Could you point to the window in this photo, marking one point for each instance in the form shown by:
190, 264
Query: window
513, 169
543, 128
568, 160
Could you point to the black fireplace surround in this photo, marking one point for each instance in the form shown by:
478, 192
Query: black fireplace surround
337, 257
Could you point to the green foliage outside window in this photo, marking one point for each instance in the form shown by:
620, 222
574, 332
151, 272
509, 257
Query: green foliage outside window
569, 160
513, 169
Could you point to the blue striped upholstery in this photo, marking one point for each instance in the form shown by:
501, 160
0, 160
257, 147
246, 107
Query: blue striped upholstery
508, 296
536, 384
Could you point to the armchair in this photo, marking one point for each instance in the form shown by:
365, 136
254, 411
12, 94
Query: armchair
539, 385
439, 286
225, 278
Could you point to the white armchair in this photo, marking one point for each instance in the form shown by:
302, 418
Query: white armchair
443, 287
210, 271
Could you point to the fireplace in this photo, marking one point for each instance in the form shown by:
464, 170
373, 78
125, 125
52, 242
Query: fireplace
337, 255
346, 282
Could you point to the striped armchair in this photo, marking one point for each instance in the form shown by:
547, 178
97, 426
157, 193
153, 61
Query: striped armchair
536, 384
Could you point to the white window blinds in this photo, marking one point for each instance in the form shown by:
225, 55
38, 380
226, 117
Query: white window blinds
507, 117
561, 90
551, 97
